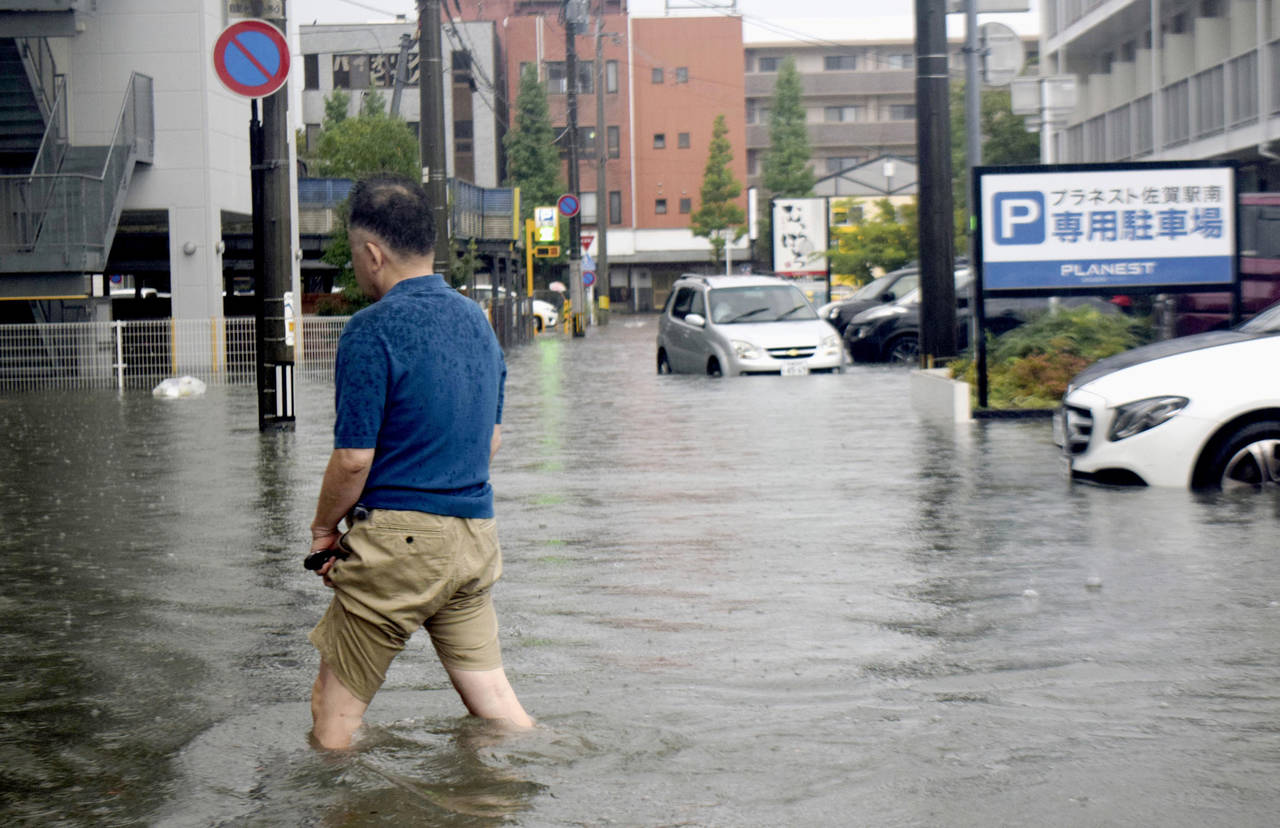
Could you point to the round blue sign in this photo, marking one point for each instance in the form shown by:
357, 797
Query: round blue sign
568, 205
251, 58
588, 278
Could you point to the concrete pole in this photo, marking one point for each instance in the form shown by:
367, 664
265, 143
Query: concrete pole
431, 125
577, 293
933, 139
602, 187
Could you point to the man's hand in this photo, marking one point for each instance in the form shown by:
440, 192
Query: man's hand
323, 539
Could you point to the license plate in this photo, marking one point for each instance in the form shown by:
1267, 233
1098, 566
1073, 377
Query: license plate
795, 370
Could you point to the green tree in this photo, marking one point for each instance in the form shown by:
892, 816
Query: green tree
786, 169
719, 213
335, 108
533, 161
786, 166
373, 103
888, 240
1005, 139
356, 148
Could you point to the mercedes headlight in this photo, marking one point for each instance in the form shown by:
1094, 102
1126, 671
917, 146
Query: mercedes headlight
1136, 417
745, 350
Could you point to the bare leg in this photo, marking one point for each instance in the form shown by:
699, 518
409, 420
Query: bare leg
336, 713
488, 694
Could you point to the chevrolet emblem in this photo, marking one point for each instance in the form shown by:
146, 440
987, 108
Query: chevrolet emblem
793, 353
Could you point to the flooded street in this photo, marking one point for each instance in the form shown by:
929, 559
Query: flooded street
742, 602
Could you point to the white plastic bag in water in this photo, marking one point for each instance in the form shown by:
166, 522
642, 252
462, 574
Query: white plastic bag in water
179, 387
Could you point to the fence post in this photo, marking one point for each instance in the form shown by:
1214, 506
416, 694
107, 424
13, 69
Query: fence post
119, 326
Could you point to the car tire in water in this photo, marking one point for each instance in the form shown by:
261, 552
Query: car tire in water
1250, 456
904, 349
664, 364
537, 324
713, 368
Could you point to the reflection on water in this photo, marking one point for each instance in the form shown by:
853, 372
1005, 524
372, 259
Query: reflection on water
757, 601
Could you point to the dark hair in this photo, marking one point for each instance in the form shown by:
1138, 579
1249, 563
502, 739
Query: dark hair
396, 210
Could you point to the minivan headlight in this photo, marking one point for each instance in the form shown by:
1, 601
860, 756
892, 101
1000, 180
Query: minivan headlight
1137, 417
745, 350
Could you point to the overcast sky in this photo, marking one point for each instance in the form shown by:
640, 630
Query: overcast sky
803, 19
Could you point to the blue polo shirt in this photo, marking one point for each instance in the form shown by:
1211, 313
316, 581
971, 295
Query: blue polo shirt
420, 379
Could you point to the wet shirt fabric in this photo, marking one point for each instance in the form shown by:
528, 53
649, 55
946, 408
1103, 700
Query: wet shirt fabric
420, 379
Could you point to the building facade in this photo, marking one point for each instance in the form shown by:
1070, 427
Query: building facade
1168, 80
156, 149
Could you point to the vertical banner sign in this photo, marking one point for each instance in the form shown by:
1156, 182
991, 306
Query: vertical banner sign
1057, 228
800, 236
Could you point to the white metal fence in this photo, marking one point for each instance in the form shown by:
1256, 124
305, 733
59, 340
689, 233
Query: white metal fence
139, 354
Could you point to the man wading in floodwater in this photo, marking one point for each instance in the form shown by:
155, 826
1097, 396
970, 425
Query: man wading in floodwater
419, 383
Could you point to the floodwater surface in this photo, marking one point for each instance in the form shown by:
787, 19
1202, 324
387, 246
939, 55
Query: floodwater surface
742, 602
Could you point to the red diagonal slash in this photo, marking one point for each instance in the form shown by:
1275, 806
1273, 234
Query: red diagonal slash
252, 59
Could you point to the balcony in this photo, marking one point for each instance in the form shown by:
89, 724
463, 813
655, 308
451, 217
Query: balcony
839, 84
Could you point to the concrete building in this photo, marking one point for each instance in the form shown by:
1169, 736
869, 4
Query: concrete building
1160, 80
146, 153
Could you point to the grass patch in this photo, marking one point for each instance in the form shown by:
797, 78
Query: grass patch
1030, 366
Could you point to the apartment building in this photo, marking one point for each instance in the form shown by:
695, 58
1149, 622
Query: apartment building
1158, 80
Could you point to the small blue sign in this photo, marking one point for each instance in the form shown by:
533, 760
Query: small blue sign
568, 205
1019, 218
588, 278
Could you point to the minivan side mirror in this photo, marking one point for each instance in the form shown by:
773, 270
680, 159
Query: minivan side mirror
696, 319
887, 296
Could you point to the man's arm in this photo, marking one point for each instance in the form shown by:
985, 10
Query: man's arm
495, 442
344, 480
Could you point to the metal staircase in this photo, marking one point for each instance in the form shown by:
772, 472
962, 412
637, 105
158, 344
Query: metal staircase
59, 213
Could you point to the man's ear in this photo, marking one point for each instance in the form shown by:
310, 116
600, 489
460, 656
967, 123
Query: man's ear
377, 257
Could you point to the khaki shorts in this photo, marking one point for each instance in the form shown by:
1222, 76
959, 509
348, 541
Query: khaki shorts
408, 570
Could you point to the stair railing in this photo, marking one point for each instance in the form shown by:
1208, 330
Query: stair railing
37, 57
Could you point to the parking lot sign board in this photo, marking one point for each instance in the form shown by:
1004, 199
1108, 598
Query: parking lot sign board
1101, 228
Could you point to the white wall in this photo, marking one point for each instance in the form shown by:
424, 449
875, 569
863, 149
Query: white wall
201, 164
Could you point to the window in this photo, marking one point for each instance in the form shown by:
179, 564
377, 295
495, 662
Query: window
902, 112
843, 114
757, 114
682, 140
659, 140
682, 304
753, 162
611, 77
836, 163
899, 60
587, 207
686, 205
612, 139
839, 63
310, 71
524, 66
586, 141
767, 64
350, 71
656, 76
615, 207
557, 78
660, 206
463, 130
682, 74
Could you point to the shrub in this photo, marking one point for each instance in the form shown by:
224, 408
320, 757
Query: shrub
1030, 366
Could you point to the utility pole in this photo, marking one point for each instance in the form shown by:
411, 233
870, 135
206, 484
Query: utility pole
402, 74
973, 145
273, 249
933, 140
577, 294
431, 124
602, 157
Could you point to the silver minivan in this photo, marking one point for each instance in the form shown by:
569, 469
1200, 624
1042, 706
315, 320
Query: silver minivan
730, 325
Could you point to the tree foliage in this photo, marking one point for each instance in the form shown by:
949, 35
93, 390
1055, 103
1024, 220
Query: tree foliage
888, 240
719, 211
1005, 139
533, 160
368, 144
373, 103
786, 166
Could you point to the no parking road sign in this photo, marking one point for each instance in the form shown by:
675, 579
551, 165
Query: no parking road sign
251, 58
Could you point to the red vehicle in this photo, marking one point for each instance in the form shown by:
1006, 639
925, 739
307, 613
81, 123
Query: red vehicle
1259, 218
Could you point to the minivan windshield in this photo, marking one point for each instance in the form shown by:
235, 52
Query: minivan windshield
759, 303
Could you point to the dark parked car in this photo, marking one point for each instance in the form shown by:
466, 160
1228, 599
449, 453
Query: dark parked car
891, 333
888, 288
